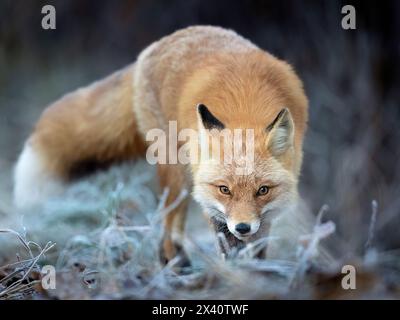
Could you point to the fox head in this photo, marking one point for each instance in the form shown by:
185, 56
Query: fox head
245, 200
246, 91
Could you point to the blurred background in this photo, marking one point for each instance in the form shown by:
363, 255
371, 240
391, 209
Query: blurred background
352, 78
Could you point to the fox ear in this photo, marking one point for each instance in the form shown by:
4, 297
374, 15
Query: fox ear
281, 133
207, 119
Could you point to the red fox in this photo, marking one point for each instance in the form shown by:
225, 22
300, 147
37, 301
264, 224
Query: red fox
205, 78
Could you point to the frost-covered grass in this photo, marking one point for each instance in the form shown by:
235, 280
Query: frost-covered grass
103, 234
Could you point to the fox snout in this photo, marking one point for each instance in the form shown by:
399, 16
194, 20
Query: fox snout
243, 229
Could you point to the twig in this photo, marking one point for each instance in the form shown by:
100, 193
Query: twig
25, 267
372, 224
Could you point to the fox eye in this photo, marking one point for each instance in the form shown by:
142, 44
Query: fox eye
262, 191
224, 190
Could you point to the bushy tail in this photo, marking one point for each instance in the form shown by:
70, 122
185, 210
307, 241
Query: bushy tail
94, 125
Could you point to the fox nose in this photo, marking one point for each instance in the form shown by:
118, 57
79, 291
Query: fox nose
242, 228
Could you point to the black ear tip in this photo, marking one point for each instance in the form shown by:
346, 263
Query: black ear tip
283, 113
201, 108
208, 119
286, 112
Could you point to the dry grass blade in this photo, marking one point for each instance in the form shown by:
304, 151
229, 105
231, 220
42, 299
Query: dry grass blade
22, 270
20, 238
311, 242
372, 224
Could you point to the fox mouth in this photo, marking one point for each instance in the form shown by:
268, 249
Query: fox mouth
232, 238
241, 236
221, 225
